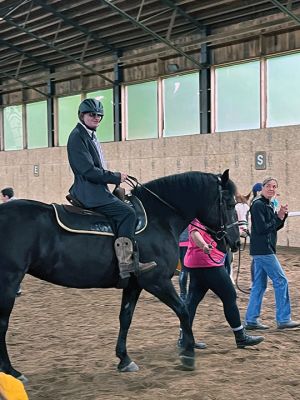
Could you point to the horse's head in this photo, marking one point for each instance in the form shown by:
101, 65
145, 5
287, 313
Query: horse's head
221, 219
242, 208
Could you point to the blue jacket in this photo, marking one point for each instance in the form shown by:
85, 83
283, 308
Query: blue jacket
264, 226
90, 179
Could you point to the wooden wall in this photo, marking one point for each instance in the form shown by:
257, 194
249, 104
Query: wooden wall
246, 40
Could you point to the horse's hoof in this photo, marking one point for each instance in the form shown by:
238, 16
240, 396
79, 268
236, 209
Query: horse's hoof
188, 363
132, 367
23, 379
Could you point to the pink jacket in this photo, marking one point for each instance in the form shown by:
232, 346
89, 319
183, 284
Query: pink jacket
195, 257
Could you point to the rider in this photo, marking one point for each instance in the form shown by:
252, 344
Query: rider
90, 186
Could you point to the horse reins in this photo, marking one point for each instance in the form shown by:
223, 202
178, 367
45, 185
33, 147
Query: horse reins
239, 260
219, 235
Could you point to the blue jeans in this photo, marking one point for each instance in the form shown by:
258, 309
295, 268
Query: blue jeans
264, 267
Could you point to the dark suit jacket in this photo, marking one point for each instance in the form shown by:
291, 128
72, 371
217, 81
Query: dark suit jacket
90, 179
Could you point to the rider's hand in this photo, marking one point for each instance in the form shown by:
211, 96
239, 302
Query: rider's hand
123, 177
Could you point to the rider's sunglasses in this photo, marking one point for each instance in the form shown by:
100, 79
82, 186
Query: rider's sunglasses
94, 115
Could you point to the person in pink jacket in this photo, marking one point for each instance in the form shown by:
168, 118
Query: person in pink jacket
205, 262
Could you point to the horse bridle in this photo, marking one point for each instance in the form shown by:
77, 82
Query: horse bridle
218, 235
221, 234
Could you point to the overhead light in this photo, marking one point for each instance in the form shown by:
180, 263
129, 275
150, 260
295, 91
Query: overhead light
172, 67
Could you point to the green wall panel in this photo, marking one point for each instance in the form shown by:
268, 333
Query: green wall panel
238, 97
105, 132
142, 121
181, 105
67, 117
37, 127
13, 128
283, 88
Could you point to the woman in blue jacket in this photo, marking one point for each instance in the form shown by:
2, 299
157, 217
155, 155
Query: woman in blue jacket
264, 226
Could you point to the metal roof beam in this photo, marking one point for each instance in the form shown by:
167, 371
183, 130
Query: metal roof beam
152, 33
23, 82
75, 25
74, 60
181, 12
27, 55
286, 11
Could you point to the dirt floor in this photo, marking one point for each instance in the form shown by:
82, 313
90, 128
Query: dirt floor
64, 340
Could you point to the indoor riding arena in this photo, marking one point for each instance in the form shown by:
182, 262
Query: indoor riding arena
186, 85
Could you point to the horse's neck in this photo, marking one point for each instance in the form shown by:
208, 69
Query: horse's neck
180, 200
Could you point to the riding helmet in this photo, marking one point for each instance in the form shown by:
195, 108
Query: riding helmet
91, 105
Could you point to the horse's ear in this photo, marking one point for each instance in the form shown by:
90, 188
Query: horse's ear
247, 196
225, 176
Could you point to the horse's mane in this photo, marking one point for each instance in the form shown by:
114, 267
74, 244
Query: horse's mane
186, 179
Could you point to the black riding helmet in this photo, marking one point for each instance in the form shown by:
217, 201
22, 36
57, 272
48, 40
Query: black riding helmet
91, 105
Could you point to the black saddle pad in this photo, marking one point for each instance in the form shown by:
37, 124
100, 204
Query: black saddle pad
80, 220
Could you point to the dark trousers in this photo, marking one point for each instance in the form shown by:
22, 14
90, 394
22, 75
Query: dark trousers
183, 274
217, 280
121, 216
228, 262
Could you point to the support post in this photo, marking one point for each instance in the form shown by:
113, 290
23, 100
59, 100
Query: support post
50, 108
204, 78
118, 79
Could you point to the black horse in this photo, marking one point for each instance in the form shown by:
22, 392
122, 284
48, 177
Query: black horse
32, 242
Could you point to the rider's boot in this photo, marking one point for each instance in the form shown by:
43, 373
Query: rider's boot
243, 339
128, 257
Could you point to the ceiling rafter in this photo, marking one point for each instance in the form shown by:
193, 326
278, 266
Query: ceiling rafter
23, 82
185, 15
69, 21
87, 67
286, 10
151, 32
69, 36
20, 51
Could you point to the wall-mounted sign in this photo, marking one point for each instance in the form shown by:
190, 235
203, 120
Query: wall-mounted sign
260, 160
36, 170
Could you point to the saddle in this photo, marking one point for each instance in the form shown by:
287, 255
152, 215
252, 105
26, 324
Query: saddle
74, 218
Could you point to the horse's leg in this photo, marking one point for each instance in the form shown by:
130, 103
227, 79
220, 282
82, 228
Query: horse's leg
7, 299
129, 300
164, 290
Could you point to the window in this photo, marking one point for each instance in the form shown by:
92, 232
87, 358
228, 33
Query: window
181, 105
13, 128
141, 115
105, 132
36, 123
283, 87
238, 97
67, 117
